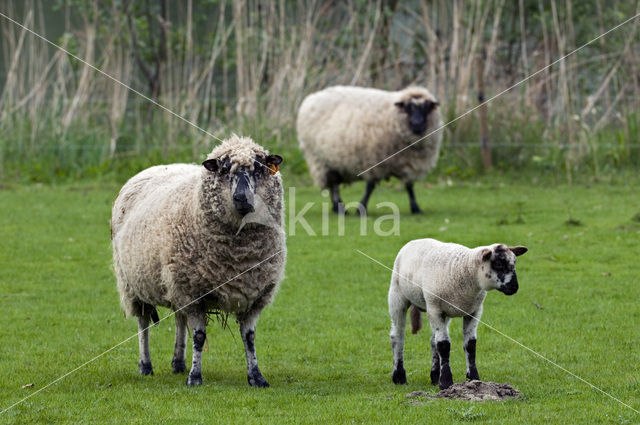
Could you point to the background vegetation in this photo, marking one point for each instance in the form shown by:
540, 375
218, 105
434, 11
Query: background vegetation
244, 66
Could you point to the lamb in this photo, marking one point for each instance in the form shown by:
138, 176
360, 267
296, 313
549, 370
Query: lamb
446, 280
345, 132
183, 238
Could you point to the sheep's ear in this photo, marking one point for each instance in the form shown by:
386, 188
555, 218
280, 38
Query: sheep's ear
518, 250
211, 164
486, 254
273, 160
400, 105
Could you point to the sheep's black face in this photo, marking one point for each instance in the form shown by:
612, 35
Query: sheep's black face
502, 270
417, 114
243, 181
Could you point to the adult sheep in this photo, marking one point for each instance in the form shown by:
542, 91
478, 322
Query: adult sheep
185, 237
346, 132
446, 280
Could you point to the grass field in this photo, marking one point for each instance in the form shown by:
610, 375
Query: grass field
323, 344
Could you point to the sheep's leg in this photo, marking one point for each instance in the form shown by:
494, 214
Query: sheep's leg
198, 324
248, 332
398, 306
178, 363
435, 362
440, 331
415, 209
144, 366
367, 194
469, 326
338, 205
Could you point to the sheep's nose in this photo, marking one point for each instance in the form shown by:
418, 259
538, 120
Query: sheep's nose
240, 197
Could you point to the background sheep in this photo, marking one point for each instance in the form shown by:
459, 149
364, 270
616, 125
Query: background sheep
177, 244
343, 131
446, 280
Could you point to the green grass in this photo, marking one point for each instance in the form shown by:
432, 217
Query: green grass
323, 344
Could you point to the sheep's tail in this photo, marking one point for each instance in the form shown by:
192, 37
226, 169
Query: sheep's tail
151, 310
416, 319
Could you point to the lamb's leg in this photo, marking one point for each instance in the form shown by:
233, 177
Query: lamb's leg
198, 324
178, 363
398, 306
338, 205
144, 366
365, 200
435, 362
415, 209
440, 331
469, 326
248, 332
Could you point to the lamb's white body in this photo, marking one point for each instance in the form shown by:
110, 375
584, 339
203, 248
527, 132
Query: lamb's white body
446, 280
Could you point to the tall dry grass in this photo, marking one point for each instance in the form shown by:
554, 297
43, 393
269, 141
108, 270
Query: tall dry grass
246, 65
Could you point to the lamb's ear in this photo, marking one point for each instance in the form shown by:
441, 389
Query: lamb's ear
212, 165
273, 160
400, 105
486, 254
518, 250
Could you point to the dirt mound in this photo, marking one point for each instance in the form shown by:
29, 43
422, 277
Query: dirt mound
473, 391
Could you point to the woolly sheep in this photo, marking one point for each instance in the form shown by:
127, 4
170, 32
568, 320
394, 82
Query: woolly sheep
345, 130
184, 238
446, 280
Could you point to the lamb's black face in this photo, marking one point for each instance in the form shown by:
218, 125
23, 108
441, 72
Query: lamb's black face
502, 270
243, 180
417, 113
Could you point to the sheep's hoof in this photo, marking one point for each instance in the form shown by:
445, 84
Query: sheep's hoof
145, 368
415, 209
399, 377
178, 366
256, 379
446, 380
473, 374
194, 379
435, 376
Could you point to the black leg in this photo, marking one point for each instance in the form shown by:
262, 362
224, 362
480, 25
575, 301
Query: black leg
399, 375
470, 350
415, 209
365, 199
446, 380
435, 362
469, 326
338, 205
198, 323
248, 333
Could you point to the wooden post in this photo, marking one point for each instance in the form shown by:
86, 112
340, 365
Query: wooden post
484, 130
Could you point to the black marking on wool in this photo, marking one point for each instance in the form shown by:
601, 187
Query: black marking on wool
501, 264
199, 336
